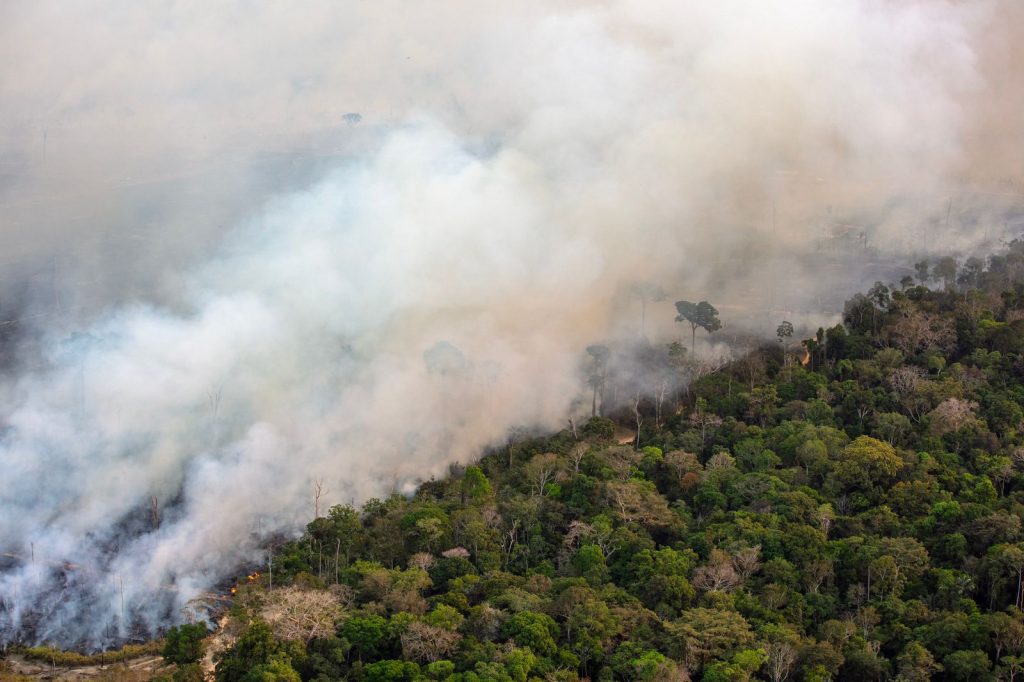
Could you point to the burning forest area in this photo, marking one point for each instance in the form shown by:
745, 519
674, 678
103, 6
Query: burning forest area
620, 340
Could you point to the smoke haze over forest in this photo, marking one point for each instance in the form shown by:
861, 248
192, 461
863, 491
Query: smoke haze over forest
235, 235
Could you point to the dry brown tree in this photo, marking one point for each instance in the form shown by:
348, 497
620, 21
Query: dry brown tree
294, 613
427, 643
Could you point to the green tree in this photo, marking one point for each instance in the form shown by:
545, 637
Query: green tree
440, 670
707, 634
867, 463
916, 664
1008, 559
633, 661
660, 578
391, 671
968, 666
366, 634
880, 296
183, 644
588, 622
275, 671
475, 485
255, 648
535, 630
338, 535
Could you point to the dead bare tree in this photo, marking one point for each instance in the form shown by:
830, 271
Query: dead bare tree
747, 561
816, 573
826, 516
638, 417
705, 419
213, 397
636, 503
426, 643
541, 470
660, 393
572, 540
782, 657
318, 492
509, 540
718, 574
604, 537
682, 463
154, 511
294, 613
516, 434
952, 414
580, 449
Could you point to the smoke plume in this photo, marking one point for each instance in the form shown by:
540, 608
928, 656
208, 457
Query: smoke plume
249, 246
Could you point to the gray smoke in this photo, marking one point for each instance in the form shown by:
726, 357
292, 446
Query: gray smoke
243, 227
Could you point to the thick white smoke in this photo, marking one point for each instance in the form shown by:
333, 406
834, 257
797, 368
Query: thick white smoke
511, 170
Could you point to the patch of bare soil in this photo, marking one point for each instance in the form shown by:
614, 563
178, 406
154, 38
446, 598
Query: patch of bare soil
223, 638
133, 670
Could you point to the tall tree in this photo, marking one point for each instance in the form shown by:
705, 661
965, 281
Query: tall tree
646, 292
598, 368
880, 296
921, 271
784, 331
703, 315
946, 270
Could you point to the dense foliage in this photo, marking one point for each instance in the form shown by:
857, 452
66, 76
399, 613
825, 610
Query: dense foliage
849, 509
184, 644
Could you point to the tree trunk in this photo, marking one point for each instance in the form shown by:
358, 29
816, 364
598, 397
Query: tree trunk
639, 420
